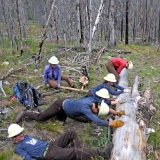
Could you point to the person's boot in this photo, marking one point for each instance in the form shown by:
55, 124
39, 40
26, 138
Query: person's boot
106, 152
19, 116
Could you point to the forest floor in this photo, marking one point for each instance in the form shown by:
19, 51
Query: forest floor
146, 65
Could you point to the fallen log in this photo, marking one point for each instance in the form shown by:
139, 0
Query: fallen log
74, 89
130, 140
117, 51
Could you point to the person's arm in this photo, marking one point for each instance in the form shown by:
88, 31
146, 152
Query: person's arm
111, 91
88, 113
23, 154
117, 86
113, 111
58, 74
45, 75
108, 102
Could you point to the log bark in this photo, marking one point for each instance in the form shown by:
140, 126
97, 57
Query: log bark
130, 140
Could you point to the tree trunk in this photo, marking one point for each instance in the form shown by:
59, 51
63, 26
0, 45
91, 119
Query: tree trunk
90, 26
98, 17
112, 41
78, 22
130, 140
126, 30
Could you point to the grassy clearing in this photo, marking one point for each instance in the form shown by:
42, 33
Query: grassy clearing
146, 66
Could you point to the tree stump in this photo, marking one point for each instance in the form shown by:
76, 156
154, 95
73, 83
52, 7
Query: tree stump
130, 140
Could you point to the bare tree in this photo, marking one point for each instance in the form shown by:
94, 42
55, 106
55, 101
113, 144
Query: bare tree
127, 28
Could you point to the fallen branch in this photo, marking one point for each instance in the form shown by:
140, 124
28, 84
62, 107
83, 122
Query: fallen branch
37, 57
74, 89
12, 70
50, 93
98, 55
117, 51
69, 68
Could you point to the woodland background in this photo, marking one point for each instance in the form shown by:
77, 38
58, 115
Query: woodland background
78, 32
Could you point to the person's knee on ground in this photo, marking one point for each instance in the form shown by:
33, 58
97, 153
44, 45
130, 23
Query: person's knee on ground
53, 83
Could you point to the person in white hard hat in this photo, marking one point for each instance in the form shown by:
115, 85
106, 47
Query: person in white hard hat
116, 64
83, 110
52, 74
104, 108
30, 148
109, 82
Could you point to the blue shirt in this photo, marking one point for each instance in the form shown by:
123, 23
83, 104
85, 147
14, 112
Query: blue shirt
30, 148
110, 90
52, 74
82, 107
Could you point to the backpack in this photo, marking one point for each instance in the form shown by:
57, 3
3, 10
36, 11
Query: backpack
26, 94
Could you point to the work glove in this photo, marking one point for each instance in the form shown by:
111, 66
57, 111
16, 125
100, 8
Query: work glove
126, 90
120, 113
118, 123
59, 86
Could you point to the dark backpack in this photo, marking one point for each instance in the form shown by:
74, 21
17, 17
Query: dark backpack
27, 94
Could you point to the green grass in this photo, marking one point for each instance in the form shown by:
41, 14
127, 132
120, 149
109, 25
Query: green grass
146, 66
53, 126
9, 155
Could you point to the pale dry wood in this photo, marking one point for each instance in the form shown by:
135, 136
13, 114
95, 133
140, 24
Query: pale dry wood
129, 140
74, 89
99, 55
84, 81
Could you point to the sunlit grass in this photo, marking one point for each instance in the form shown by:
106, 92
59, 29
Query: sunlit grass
53, 126
9, 155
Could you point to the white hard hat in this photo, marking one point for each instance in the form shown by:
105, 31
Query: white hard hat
14, 129
103, 93
130, 65
53, 60
110, 77
103, 108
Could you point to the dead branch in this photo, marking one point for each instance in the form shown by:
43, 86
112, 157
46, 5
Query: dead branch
69, 68
99, 55
74, 89
50, 93
117, 51
12, 70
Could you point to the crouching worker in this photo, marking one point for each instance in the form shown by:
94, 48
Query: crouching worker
116, 65
83, 110
109, 82
30, 148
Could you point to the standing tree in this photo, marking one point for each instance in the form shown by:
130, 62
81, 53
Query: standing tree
127, 27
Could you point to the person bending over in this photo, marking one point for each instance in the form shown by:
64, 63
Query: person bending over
109, 82
83, 110
116, 64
